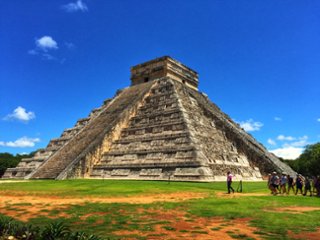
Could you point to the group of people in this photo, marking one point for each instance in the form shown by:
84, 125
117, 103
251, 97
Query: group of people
284, 183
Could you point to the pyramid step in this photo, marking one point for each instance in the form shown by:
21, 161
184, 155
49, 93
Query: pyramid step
155, 114
153, 137
153, 122
164, 124
151, 150
171, 163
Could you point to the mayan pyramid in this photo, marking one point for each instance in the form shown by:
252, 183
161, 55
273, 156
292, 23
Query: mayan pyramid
159, 128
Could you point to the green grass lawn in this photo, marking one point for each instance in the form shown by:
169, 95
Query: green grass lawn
105, 219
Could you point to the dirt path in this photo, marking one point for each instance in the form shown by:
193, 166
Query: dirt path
12, 181
305, 235
236, 195
143, 199
294, 209
24, 207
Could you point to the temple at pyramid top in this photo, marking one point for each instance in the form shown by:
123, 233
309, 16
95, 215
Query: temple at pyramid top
164, 67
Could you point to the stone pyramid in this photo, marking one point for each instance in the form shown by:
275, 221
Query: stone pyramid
159, 128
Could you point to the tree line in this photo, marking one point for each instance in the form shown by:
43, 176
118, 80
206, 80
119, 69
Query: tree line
308, 163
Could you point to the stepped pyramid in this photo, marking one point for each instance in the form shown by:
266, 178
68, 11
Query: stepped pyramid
159, 128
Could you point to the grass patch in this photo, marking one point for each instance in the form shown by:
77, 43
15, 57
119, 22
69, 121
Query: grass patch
216, 229
241, 236
199, 232
169, 228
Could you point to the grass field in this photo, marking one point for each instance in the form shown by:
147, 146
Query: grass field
161, 210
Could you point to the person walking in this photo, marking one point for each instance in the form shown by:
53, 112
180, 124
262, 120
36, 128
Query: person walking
275, 181
314, 181
229, 182
299, 184
290, 184
283, 183
307, 187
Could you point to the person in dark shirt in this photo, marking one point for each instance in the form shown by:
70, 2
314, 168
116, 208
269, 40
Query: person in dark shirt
290, 184
275, 181
299, 184
307, 187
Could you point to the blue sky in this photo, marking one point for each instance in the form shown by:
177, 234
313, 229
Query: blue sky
259, 61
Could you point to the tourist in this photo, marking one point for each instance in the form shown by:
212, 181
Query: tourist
283, 183
229, 182
317, 186
314, 180
290, 184
299, 184
269, 184
275, 183
307, 187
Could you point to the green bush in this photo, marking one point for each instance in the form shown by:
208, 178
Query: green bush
9, 227
14, 230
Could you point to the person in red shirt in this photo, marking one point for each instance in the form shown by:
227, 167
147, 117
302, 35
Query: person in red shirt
229, 182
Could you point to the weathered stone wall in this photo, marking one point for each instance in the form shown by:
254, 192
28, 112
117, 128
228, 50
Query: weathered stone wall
219, 153
245, 144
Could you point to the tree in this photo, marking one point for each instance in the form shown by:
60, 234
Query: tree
8, 160
308, 164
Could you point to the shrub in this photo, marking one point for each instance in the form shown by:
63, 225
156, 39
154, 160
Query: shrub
14, 230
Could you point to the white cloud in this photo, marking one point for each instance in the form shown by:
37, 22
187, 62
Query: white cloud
21, 114
21, 142
272, 142
250, 125
288, 152
277, 119
285, 138
46, 42
301, 142
75, 7
292, 147
43, 46
318, 120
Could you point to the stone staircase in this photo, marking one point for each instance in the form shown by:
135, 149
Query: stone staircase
89, 137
